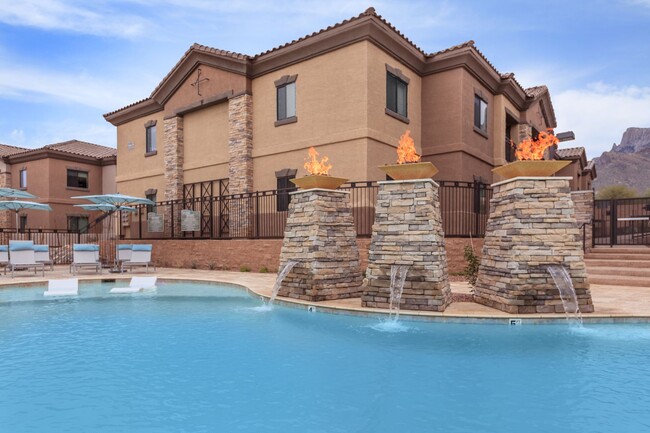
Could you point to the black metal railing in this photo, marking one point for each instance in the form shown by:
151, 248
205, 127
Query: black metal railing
622, 222
263, 214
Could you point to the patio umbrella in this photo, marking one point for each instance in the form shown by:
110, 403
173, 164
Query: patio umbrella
109, 203
16, 205
15, 193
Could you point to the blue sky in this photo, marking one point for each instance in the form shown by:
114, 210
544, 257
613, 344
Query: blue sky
63, 63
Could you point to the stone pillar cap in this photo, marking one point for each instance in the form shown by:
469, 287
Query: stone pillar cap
302, 191
503, 182
384, 182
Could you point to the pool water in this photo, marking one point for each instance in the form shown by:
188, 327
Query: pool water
209, 362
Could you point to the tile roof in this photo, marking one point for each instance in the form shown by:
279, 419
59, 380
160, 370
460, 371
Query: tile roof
131, 104
571, 152
82, 148
7, 150
536, 91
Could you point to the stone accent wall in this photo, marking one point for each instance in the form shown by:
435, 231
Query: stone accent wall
408, 231
532, 225
7, 218
524, 131
240, 144
173, 148
173, 159
584, 207
320, 236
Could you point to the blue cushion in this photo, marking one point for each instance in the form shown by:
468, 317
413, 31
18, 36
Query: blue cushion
4, 248
142, 247
41, 248
85, 247
124, 246
21, 245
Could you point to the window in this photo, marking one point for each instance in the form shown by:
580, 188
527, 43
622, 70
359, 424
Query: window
23, 178
480, 114
151, 138
286, 100
23, 222
78, 223
77, 179
285, 186
396, 93
151, 196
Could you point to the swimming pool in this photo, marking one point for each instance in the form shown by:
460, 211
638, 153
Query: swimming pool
199, 358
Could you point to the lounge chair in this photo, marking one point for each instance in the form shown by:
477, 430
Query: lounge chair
4, 256
140, 256
137, 284
85, 256
67, 287
22, 256
42, 253
123, 253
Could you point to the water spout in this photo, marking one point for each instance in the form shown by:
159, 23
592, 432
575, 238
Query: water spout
563, 282
278, 281
397, 279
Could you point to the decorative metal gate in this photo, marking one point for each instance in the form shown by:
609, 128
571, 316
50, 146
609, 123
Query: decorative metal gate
622, 222
201, 196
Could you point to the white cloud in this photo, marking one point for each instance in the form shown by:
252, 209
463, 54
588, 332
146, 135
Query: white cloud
66, 15
599, 113
17, 137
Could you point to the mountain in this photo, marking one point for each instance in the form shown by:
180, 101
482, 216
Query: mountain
628, 163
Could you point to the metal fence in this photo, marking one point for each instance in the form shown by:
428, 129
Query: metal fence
263, 214
622, 222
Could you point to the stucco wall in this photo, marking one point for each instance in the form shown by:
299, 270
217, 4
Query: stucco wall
206, 144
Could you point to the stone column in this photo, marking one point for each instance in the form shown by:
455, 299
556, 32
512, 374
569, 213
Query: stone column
584, 207
173, 157
524, 131
240, 163
320, 235
532, 225
7, 218
408, 231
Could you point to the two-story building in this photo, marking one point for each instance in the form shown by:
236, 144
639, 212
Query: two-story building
235, 123
55, 173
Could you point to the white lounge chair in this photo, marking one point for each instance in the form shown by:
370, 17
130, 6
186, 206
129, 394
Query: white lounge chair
140, 256
137, 284
4, 256
85, 256
123, 253
42, 254
67, 287
22, 256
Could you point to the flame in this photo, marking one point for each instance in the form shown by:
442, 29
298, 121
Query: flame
406, 149
313, 166
534, 149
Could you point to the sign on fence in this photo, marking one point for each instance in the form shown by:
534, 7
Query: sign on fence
155, 223
190, 220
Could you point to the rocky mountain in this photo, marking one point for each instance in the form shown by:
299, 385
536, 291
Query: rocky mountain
628, 163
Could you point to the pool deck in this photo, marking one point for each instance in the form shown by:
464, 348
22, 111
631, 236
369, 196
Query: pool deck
612, 304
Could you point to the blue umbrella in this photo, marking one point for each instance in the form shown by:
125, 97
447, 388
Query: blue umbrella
117, 200
16, 205
15, 193
105, 207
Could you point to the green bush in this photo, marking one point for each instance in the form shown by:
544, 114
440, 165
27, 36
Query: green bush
244, 268
616, 191
471, 269
264, 270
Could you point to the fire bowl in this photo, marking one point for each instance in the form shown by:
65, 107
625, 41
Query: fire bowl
530, 168
319, 181
408, 171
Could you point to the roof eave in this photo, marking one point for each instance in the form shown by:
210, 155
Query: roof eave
139, 109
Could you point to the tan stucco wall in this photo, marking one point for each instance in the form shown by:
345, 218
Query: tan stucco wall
135, 171
108, 179
218, 82
206, 144
384, 128
499, 114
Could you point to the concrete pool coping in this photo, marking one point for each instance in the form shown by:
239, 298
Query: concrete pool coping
612, 304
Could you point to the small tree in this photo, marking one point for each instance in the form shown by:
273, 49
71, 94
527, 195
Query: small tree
646, 193
616, 191
471, 269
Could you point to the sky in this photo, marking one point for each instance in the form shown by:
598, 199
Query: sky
64, 63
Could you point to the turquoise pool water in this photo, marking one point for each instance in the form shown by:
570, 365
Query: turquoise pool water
208, 362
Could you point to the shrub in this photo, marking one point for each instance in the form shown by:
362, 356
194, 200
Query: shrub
471, 269
212, 266
616, 191
193, 264
244, 268
264, 270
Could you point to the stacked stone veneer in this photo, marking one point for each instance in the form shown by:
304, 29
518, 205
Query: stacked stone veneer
532, 225
584, 207
173, 160
320, 235
6, 217
408, 231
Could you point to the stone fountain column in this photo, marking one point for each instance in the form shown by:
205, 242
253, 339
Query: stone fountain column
320, 235
532, 225
408, 231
